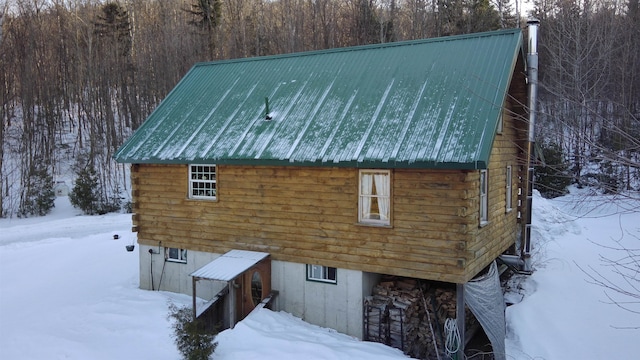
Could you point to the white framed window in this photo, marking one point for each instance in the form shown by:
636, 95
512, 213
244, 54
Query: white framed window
484, 201
374, 197
202, 182
508, 190
322, 273
500, 125
175, 255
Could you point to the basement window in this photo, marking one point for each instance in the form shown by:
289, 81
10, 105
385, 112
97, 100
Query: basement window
484, 201
322, 274
175, 255
374, 199
202, 182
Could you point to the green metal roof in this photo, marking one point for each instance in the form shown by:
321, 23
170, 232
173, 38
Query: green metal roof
431, 103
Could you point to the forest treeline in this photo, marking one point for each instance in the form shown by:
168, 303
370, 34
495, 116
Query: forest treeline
78, 76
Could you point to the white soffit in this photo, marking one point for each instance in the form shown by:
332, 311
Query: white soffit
228, 266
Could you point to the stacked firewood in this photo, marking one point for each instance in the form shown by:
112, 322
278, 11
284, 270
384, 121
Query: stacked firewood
410, 316
376, 319
396, 315
445, 304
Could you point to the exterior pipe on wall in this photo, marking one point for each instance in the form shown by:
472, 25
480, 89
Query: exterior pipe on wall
532, 77
512, 260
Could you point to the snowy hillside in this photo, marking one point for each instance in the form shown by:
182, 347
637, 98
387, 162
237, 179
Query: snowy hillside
562, 314
68, 290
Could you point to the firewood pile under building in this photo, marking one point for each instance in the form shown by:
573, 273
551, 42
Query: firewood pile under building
410, 315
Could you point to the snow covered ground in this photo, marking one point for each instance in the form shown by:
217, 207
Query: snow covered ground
562, 314
68, 290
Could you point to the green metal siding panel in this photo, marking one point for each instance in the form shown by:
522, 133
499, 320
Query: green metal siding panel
428, 103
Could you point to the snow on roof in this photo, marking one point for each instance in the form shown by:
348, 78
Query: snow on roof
431, 103
228, 266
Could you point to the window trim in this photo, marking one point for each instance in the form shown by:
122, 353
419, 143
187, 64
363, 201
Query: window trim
326, 274
192, 181
484, 197
509, 189
389, 196
500, 127
182, 255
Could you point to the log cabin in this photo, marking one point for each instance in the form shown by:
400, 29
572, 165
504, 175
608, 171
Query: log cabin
317, 173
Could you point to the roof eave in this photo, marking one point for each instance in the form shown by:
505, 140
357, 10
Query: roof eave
472, 165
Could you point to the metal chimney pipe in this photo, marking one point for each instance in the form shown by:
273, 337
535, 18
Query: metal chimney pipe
532, 78
532, 73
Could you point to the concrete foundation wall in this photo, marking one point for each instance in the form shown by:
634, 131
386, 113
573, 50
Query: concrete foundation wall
337, 306
174, 276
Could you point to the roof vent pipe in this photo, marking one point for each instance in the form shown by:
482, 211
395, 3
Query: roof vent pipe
267, 115
532, 77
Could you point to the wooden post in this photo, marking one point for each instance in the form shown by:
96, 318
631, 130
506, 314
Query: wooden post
460, 317
193, 290
232, 304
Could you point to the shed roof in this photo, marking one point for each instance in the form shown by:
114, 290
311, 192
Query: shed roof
228, 266
431, 103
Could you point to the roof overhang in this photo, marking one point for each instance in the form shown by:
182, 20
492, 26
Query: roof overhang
228, 266
469, 165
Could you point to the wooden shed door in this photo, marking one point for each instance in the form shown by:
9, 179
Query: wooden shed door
256, 285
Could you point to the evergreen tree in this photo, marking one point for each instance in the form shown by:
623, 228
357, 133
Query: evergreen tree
366, 26
552, 178
482, 16
608, 177
88, 193
84, 194
113, 24
206, 17
192, 337
38, 199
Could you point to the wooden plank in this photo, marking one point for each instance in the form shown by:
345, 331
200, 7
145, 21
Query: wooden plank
422, 175
266, 302
286, 172
299, 227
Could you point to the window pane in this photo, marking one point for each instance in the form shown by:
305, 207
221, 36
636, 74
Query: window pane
256, 288
321, 273
331, 273
176, 255
483, 196
316, 272
508, 189
374, 198
202, 181
366, 184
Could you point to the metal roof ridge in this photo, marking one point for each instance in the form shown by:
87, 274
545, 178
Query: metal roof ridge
362, 47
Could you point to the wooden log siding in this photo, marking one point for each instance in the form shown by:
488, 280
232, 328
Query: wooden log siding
309, 215
501, 232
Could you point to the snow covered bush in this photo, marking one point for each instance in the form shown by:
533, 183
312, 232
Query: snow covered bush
193, 337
